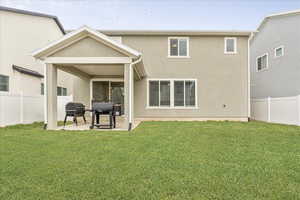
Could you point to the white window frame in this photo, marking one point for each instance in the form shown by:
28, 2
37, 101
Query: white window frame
109, 80
172, 94
4, 92
235, 45
280, 47
187, 46
267, 63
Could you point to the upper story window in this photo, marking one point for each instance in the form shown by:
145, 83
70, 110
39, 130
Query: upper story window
230, 46
178, 47
279, 51
262, 62
4, 83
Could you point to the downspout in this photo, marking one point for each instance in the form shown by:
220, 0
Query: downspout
130, 87
249, 77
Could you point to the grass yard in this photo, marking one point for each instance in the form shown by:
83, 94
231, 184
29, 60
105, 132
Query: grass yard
158, 160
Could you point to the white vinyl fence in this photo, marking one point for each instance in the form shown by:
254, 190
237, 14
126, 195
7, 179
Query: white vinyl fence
285, 110
19, 109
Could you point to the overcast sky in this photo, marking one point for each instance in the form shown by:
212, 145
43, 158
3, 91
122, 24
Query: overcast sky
158, 14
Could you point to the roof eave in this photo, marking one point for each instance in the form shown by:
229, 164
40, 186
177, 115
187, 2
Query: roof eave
3, 8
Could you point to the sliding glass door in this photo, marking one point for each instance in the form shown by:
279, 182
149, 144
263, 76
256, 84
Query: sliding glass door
109, 91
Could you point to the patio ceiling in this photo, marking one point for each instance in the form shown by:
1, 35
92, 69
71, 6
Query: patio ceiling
92, 70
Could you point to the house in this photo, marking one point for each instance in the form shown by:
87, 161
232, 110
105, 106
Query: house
20, 33
275, 66
156, 75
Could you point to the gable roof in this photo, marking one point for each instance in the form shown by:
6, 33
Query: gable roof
80, 34
264, 21
289, 13
25, 12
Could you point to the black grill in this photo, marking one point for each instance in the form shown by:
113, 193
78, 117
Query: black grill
105, 108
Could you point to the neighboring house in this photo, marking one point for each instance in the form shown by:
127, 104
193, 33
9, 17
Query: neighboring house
157, 75
21, 32
275, 53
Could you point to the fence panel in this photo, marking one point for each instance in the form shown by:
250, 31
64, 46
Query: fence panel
259, 109
33, 109
19, 109
10, 109
285, 110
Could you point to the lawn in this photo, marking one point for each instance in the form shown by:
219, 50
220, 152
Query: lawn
158, 160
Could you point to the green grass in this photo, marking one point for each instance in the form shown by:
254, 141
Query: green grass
158, 160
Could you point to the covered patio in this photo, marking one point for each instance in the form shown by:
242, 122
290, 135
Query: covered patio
106, 71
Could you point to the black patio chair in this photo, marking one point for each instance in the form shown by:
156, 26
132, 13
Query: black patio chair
74, 110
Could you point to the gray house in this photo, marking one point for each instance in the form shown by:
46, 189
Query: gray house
275, 54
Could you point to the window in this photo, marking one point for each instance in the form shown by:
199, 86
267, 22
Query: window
230, 46
42, 89
184, 93
172, 93
262, 62
279, 51
4, 83
159, 93
178, 47
61, 91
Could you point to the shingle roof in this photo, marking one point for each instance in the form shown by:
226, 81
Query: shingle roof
27, 71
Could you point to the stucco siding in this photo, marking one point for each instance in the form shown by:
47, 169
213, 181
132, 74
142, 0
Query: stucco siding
20, 35
82, 90
87, 47
222, 79
282, 76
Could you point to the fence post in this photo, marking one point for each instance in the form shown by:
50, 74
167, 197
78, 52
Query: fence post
269, 109
1, 111
21, 108
298, 109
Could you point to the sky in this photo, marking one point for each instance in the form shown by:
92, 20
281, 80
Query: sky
158, 14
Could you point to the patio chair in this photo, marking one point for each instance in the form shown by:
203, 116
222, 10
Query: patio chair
75, 110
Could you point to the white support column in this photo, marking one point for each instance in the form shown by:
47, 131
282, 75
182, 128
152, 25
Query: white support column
45, 95
51, 95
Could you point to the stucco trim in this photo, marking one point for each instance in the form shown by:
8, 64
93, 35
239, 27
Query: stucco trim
88, 60
177, 32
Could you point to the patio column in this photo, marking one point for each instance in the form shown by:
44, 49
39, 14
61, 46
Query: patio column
128, 97
51, 95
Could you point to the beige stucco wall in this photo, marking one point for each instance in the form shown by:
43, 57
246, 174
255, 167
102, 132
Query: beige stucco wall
19, 36
87, 47
222, 78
